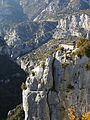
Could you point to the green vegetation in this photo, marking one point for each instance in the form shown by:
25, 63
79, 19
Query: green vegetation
84, 47
46, 55
18, 114
23, 86
61, 48
81, 42
79, 53
64, 65
33, 73
42, 64
41, 53
87, 49
70, 86
87, 66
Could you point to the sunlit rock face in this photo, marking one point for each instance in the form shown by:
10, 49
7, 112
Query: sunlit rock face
35, 96
47, 7
52, 89
24, 36
72, 21
33, 8
75, 25
28, 36
62, 7
76, 4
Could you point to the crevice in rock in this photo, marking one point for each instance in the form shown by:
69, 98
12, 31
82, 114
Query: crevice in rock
49, 104
51, 89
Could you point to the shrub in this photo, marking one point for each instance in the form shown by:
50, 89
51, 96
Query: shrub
33, 73
42, 64
61, 48
84, 47
72, 114
18, 114
86, 116
23, 86
87, 66
81, 42
87, 50
70, 86
80, 53
64, 65
46, 55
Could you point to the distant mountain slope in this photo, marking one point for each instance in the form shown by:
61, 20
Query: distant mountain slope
11, 78
63, 7
33, 8
75, 4
11, 12
25, 37
20, 10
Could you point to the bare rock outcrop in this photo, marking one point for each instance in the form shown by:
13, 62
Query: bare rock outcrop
52, 89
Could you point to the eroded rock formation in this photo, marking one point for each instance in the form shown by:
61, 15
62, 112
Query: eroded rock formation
74, 25
51, 89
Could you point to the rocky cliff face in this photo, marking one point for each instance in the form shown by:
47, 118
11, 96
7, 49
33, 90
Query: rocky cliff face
27, 36
53, 87
11, 12
33, 8
23, 36
48, 8
11, 78
63, 7
74, 25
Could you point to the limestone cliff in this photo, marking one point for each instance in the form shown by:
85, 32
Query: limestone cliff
74, 25
53, 87
25, 37
46, 8
11, 13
